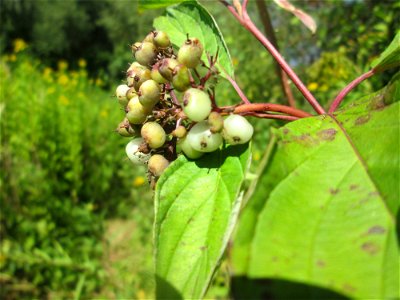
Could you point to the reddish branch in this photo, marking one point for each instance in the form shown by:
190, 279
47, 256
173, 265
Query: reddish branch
245, 20
339, 98
271, 107
266, 20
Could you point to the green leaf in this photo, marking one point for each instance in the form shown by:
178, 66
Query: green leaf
155, 4
197, 204
390, 58
323, 212
193, 19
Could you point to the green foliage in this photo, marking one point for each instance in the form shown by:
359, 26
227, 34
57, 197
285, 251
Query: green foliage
191, 18
390, 57
327, 168
63, 171
197, 203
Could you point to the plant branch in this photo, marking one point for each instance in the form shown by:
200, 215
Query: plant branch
250, 26
269, 31
339, 98
237, 88
270, 116
262, 107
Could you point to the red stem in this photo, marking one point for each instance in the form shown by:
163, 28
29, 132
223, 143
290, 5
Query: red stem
237, 89
262, 107
271, 116
250, 26
339, 98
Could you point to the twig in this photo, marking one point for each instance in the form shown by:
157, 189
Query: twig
339, 98
250, 26
262, 107
270, 116
237, 89
269, 30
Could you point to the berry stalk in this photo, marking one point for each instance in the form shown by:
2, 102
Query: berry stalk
271, 107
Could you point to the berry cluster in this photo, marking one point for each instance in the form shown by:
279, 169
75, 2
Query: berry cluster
168, 110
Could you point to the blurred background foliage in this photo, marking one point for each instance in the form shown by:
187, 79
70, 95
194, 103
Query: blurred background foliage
75, 215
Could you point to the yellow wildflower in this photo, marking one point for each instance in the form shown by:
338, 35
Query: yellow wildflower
104, 113
63, 100
312, 86
63, 79
19, 45
82, 63
138, 181
62, 65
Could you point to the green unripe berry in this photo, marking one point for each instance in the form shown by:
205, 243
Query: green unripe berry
141, 77
121, 93
181, 78
156, 75
125, 129
237, 130
179, 132
157, 164
184, 146
149, 37
202, 139
135, 156
161, 39
137, 113
153, 134
146, 54
196, 104
131, 93
149, 93
167, 67
135, 47
190, 53
215, 121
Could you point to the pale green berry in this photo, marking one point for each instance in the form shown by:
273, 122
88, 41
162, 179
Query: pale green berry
179, 132
131, 93
202, 139
181, 78
184, 146
215, 121
141, 77
121, 92
157, 165
137, 113
153, 134
135, 47
156, 75
196, 104
125, 129
149, 93
161, 39
135, 156
149, 37
146, 54
190, 53
167, 66
237, 130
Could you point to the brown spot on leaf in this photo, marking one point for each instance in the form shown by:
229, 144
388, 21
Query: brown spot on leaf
333, 191
321, 263
362, 120
349, 288
353, 187
327, 134
202, 248
274, 258
374, 193
370, 247
286, 131
379, 104
377, 229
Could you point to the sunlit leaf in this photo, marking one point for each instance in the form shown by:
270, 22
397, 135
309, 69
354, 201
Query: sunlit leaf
390, 58
193, 19
324, 210
155, 4
197, 204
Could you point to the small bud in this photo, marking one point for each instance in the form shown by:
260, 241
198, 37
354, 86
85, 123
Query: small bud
149, 93
167, 67
179, 132
125, 129
156, 75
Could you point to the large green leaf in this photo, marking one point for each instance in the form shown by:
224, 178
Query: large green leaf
155, 4
193, 19
197, 204
390, 58
323, 212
